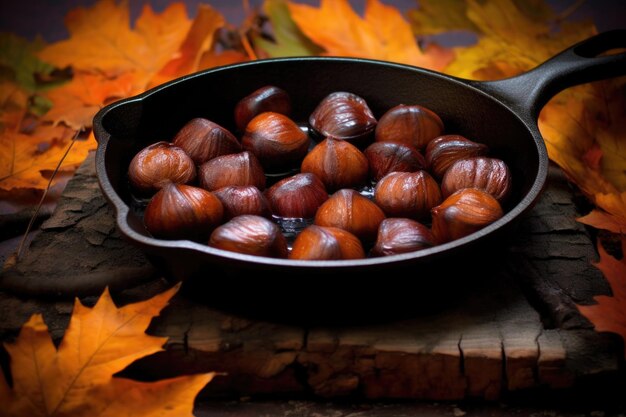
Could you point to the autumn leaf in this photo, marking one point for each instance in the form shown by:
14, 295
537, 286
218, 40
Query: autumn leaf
26, 159
382, 34
609, 314
101, 38
611, 217
77, 378
77, 102
289, 39
438, 16
199, 40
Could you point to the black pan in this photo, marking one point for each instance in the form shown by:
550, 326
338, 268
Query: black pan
502, 114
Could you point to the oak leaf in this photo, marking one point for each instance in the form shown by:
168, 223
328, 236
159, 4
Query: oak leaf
382, 33
101, 38
609, 314
77, 378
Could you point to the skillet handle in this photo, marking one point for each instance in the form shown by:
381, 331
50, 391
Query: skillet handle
578, 64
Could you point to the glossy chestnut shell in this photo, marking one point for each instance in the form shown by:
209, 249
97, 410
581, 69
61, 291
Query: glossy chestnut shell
251, 235
242, 199
401, 235
297, 196
157, 164
235, 169
203, 140
386, 157
407, 194
268, 98
488, 174
411, 125
343, 115
326, 243
445, 150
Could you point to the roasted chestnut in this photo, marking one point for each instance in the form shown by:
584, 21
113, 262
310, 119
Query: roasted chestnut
158, 164
251, 235
349, 210
464, 212
407, 194
411, 125
445, 150
400, 235
242, 199
488, 174
326, 243
202, 140
297, 196
386, 157
234, 169
337, 163
268, 98
181, 211
276, 141
343, 115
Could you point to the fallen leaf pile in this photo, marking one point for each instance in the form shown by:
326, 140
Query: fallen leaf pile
76, 379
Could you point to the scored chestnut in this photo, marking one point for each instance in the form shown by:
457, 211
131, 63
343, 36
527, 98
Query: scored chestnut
411, 125
386, 157
407, 194
326, 243
180, 211
337, 163
251, 235
400, 235
234, 169
158, 164
343, 115
297, 196
268, 98
276, 141
203, 139
349, 210
445, 150
464, 212
242, 199
488, 174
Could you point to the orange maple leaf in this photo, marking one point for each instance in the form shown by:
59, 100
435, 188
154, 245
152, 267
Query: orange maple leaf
77, 378
101, 39
609, 314
77, 102
383, 33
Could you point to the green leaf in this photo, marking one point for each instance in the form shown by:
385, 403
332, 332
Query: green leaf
19, 64
437, 16
290, 41
39, 105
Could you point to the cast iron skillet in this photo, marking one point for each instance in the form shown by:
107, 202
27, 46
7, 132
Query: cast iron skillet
502, 114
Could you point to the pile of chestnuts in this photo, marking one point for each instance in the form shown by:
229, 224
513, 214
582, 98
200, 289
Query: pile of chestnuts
362, 187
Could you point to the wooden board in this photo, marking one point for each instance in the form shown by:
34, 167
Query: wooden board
516, 330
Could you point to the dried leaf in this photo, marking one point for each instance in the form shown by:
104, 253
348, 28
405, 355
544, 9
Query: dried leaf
609, 314
211, 59
438, 16
101, 39
77, 378
76, 103
289, 39
613, 215
24, 158
199, 40
382, 34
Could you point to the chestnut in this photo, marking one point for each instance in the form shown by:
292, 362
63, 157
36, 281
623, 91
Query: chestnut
181, 211
407, 194
337, 163
276, 141
488, 174
157, 164
242, 199
252, 235
203, 139
326, 243
268, 98
401, 235
297, 196
411, 125
386, 157
349, 210
464, 212
343, 115
234, 169
445, 150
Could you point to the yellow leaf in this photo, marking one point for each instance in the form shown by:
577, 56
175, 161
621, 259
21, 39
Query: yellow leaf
25, 157
612, 217
199, 39
77, 379
383, 33
101, 39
